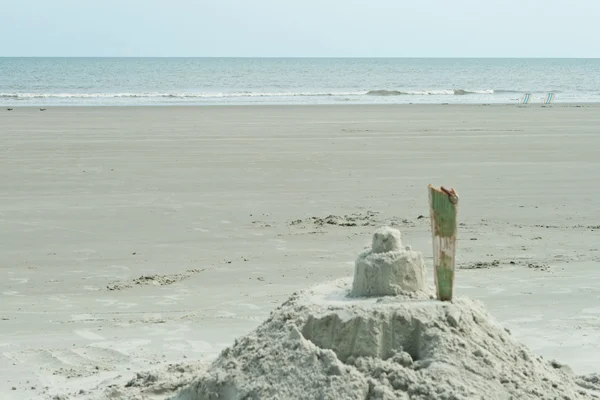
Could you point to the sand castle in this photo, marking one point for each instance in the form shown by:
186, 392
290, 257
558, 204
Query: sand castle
387, 269
383, 335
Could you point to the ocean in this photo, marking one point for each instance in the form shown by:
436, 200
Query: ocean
222, 81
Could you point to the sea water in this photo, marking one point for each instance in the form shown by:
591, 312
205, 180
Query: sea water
218, 81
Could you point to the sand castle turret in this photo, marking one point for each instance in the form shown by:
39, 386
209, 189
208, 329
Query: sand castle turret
388, 269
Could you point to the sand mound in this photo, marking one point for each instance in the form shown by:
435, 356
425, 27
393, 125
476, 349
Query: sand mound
155, 280
155, 384
324, 344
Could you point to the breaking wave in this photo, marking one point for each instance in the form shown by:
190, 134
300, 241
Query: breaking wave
508, 91
449, 92
213, 95
174, 95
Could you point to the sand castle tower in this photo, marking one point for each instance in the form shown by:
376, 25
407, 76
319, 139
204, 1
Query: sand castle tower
387, 269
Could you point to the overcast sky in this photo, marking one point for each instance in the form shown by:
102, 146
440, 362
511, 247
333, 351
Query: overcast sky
299, 28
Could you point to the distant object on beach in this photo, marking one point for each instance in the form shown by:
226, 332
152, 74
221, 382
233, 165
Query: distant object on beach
524, 101
9, 109
548, 100
42, 109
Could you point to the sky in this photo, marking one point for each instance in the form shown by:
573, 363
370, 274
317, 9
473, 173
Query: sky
300, 28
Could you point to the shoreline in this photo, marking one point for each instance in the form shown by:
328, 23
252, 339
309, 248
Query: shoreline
349, 105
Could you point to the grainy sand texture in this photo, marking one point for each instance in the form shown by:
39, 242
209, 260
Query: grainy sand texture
139, 239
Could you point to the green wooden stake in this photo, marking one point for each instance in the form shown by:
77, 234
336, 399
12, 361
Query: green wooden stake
443, 208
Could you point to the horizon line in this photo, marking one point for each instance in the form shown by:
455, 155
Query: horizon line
328, 57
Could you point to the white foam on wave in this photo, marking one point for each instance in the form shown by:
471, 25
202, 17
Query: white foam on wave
218, 95
181, 95
432, 92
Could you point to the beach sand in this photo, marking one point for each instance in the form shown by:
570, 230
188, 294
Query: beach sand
133, 237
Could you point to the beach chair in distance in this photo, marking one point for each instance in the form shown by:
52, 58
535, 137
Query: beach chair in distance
524, 101
548, 100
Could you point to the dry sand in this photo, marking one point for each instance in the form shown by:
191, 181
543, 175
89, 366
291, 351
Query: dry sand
137, 237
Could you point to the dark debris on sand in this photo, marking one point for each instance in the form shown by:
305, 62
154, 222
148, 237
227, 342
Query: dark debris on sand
368, 218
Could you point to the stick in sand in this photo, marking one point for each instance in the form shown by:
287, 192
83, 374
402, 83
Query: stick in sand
443, 208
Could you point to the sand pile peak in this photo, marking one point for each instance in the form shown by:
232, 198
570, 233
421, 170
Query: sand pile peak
324, 344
